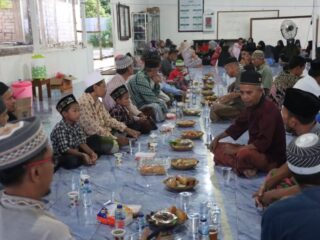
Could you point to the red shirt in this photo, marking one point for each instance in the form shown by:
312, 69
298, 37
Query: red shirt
176, 74
266, 130
178, 77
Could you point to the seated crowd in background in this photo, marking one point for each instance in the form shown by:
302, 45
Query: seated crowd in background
132, 104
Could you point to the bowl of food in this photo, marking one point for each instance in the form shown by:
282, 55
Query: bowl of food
192, 134
207, 92
191, 112
184, 163
166, 219
208, 86
211, 98
180, 183
182, 144
185, 123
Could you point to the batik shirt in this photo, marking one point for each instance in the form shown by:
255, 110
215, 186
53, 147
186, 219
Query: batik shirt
283, 81
122, 114
65, 136
95, 119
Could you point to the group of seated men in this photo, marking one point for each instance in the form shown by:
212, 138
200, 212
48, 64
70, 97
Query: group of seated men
131, 105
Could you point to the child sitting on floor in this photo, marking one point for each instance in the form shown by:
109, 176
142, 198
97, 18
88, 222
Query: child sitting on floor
178, 76
121, 113
69, 141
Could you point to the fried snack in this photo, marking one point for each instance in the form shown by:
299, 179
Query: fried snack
181, 215
192, 134
172, 183
182, 180
211, 98
173, 209
186, 123
152, 170
184, 163
191, 182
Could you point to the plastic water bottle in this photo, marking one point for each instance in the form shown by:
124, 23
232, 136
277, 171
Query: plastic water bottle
140, 222
203, 229
119, 217
215, 216
204, 210
194, 98
86, 199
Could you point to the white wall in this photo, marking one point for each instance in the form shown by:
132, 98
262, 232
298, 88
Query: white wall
169, 15
122, 47
76, 62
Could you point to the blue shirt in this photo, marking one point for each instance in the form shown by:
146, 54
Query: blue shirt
294, 218
167, 88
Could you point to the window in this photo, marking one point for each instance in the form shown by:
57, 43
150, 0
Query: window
14, 22
56, 22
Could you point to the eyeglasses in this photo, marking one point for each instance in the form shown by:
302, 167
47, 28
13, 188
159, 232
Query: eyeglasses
36, 163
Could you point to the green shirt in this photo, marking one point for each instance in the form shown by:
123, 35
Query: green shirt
144, 92
266, 74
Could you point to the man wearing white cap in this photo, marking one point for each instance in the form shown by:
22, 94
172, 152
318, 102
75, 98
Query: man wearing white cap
94, 118
124, 72
298, 217
26, 171
259, 62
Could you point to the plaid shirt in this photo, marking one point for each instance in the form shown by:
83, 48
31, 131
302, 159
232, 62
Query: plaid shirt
142, 93
95, 119
122, 114
65, 136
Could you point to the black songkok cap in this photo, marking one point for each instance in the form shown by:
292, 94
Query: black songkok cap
251, 77
3, 88
230, 60
65, 102
301, 103
118, 92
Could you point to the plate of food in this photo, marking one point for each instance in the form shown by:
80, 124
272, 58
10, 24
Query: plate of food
184, 163
192, 134
203, 102
185, 123
191, 112
147, 170
211, 98
207, 92
181, 144
208, 86
180, 183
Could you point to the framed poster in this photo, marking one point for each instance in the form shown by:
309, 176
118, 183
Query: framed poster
190, 15
123, 22
208, 23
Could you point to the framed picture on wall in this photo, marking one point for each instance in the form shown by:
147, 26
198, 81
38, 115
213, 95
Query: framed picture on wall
190, 15
123, 20
208, 23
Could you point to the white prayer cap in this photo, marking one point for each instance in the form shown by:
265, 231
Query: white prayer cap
93, 78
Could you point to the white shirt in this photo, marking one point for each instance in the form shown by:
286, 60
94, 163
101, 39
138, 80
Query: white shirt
25, 218
308, 84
